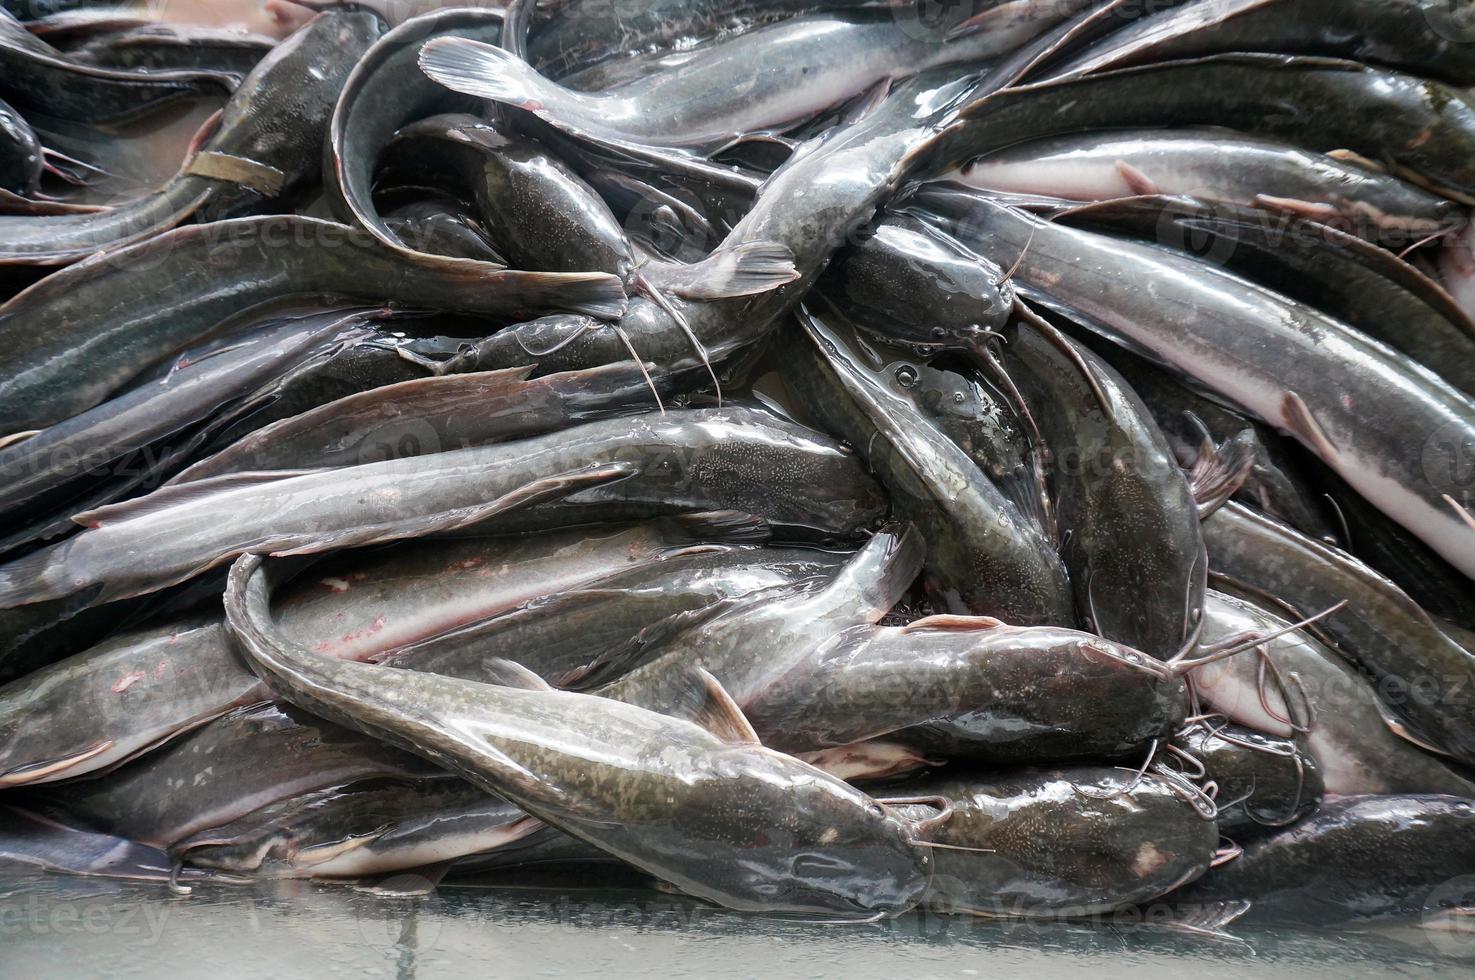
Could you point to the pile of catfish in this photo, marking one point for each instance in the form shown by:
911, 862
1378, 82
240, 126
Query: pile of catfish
829, 458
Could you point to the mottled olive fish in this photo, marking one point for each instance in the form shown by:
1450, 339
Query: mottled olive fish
79, 335
716, 815
1391, 429
685, 461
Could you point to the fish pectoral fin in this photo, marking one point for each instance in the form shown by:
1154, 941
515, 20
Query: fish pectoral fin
730, 526
718, 713
1137, 181
742, 270
1297, 418
950, 623
1311, 210
16, 438
1208, 920
508, 673
1400, 728
317, 854
1357, 159
867, 102
528, 495
1220, 471
51, 769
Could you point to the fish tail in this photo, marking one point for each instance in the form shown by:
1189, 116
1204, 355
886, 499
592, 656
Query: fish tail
743, 270
31, 579
490, 72
595, 294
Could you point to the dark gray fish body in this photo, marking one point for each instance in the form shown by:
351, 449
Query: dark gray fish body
983, 556
385, 92
728, 821
1218, 167
442, 228
373, 362
1314, 262
220, 773
1276, 484
126, 696
545, 848
36, 76
361, 605
1427, 678
37, 472
1421, 36
1416, 569
682, 462
1262, 782
972, 690
1425, 129
713, 98
746, 647
1303, 682
583, 35
808, 207
176, 47
33, 636
1070, 842
540, 213
1129, 523
593, 634
265, 146
21, 162
1357, 857
119, 700
544, 217
77, 336
430, 415
276, 125
31, 841
1394, 431
369, 828
979, 421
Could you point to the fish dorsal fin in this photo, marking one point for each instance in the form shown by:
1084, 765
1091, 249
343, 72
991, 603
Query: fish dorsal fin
719, 714
166, 497
506, 673
952, 623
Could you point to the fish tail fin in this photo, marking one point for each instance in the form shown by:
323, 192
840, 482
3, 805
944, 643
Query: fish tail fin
1221, 470
743, 270
493, 73
30, 579
594, 294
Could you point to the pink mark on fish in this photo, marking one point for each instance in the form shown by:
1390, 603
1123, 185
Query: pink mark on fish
128, 680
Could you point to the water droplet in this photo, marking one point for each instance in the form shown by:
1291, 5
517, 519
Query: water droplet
959, 397
906, 376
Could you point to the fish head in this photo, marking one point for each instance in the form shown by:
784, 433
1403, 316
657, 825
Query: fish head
790, 838
850, 856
